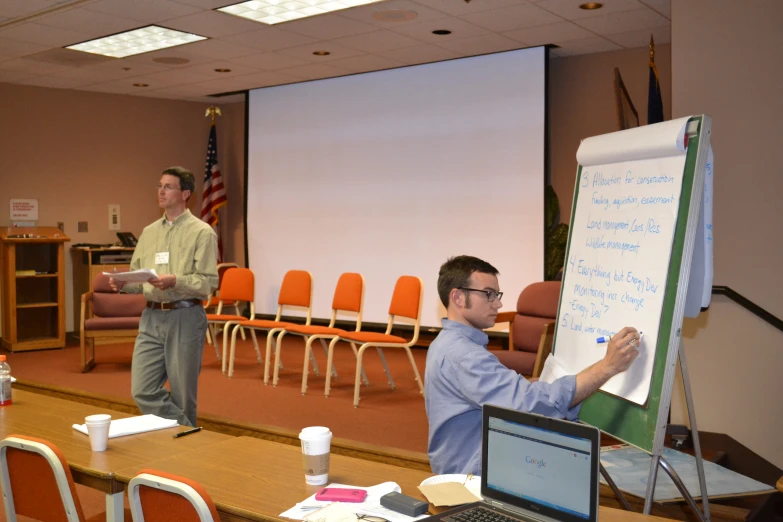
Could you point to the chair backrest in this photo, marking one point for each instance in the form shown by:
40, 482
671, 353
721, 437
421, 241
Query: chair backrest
296, 290
348, 297
155, 496
108, 303
406, 302
36, 481
536, 306
238, 285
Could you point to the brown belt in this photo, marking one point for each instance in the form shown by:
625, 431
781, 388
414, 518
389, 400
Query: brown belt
173, 305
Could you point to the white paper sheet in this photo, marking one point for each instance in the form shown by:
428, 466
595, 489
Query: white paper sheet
133, 425
136, 276
370, 506
552, 370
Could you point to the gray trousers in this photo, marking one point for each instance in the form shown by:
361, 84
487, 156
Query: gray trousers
170, 345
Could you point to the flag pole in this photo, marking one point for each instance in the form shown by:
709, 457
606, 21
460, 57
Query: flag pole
213, 111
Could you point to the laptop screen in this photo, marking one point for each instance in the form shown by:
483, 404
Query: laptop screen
539, 468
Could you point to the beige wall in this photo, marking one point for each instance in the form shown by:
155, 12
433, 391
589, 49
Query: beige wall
77, 152
726, 63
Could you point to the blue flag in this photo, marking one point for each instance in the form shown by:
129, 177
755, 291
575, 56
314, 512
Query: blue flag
654, 101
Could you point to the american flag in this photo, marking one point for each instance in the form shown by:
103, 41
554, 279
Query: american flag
214, 195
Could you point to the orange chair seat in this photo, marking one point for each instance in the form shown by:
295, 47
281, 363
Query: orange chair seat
372, 337
314, 330
215, 301
225, 317
262, 323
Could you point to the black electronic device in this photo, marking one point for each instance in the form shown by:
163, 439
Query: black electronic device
127, 239
404, 504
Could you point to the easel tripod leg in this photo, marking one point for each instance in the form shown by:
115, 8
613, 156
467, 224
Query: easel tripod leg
613, 486
681, 486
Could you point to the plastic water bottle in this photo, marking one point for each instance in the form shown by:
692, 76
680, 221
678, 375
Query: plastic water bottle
5, 382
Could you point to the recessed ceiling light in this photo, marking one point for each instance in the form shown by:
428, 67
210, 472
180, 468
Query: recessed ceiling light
137, 41
590, 6
321, 53
141, 85
441, 32
273, 12
222, 70
395, 15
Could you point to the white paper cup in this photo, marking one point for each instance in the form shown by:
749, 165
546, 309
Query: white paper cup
98, 430
316, 442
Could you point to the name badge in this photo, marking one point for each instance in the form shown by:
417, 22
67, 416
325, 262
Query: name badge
162, 258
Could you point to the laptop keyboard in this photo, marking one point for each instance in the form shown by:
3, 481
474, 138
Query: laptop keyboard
480, 514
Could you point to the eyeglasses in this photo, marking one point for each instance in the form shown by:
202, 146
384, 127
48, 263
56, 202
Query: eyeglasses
491, 294
370, 518
167, 188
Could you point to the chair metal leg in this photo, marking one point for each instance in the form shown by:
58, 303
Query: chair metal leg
357, 378
326, 352
330, 362
242, 332
415, 370
364, 374
226, 331
268, 354
209, 336
225, 348
278, 347
306, 367
386, 368
233, 351
255, 344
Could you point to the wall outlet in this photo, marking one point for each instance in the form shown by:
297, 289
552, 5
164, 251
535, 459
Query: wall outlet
81, 226
61, 225
114, 217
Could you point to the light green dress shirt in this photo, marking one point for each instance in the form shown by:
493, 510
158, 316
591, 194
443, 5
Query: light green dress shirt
192, 257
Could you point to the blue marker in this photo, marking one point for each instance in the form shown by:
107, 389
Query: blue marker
606, 338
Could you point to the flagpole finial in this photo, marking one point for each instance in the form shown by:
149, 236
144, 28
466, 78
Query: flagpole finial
652, 49
213, 110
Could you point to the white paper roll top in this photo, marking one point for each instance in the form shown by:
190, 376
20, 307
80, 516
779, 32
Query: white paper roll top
653, 141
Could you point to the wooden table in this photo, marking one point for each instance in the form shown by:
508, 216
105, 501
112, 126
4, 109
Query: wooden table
255, 480
52, 419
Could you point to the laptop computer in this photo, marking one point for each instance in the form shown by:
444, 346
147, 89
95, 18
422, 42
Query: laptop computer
534, 468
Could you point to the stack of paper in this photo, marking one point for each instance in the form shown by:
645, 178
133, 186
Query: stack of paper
137, 276
133, 425
552, 370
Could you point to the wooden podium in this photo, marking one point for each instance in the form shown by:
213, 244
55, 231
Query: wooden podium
32, 284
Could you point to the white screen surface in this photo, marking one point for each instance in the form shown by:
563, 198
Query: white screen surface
390, 173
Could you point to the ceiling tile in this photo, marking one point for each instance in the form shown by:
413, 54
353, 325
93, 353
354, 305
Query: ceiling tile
102, 74
327, 26
313, 71
663, 7
147, 11
623, 22
364, 13
633, 39
13, 48
460, 7
377, 41
14, 76
269, 61
365, 63
513, 17
115, 87
54, 82
207, 70
487, 43
41, 34
569, 9
19, 8
596, 44
208, 4
459, 29
549, 34
31, 66
265, 79
269, 39
170, 78
420, 54
213, 24
89, 24
305, 52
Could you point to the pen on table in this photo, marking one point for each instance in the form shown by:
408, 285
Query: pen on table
606, 338
183, 433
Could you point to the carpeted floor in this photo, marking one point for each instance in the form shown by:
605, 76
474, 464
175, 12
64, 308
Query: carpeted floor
385, 417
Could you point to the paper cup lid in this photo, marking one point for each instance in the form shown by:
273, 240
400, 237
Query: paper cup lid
98, 418
315, 432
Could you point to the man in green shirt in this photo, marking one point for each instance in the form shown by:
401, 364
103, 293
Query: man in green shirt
182, 250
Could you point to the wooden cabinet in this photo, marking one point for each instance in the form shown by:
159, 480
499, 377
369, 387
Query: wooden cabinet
32, 288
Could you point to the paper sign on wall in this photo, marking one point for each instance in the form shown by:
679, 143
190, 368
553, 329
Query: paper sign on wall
24, 209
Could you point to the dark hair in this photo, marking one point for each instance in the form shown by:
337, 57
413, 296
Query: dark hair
456, 272
186, 179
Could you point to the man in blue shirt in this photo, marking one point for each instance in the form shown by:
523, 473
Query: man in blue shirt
462, 375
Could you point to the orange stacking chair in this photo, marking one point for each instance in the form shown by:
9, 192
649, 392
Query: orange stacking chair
348, 297
296, 291
156, 496
212, 301
238, 286
37, 482
406, 302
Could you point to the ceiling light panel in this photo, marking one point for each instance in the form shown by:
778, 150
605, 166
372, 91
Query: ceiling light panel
137, 41
273, 12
